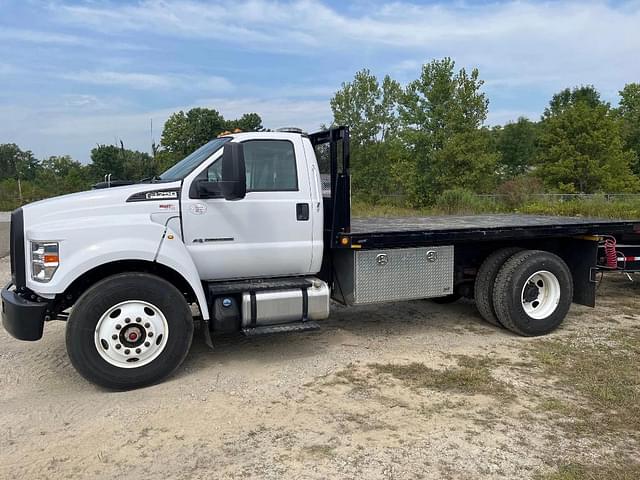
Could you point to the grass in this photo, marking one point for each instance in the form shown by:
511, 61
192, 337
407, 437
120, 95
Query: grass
471, 376
622, 470
319, 451
604, 372
469, 204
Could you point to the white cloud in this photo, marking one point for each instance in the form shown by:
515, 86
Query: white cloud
275, 112
20, 35
521, 47
8, 69
132, 80
560, 42
60, 129
33, 36
146, 81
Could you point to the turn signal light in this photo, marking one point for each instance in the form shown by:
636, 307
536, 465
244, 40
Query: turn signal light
48, 258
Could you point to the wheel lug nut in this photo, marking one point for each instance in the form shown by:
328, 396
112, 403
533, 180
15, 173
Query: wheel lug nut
138, 319
147, 325
151, 334
118, 327
146, 344
127, 320
118, 346
127, 351
114, 336
138, 350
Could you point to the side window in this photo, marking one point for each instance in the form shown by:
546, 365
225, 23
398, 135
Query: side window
214, 172
271, 166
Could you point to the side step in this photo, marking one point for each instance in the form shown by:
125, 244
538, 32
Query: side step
284, 328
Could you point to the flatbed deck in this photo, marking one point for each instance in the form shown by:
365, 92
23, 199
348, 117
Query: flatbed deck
380, 232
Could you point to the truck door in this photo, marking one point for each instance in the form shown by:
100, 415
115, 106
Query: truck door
267, 233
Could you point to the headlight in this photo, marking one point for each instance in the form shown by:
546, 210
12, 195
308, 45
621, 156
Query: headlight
44, 260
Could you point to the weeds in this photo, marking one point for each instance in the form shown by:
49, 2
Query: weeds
473, 376
622, 470
463, 202
605, 372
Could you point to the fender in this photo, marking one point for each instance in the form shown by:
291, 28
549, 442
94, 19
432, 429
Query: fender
89, 242
173, 253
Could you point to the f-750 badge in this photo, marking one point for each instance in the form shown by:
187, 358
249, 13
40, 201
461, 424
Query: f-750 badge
161, 195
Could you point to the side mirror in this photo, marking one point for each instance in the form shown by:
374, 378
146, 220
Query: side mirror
234, 179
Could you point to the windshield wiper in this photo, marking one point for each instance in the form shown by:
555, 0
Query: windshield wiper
152, 179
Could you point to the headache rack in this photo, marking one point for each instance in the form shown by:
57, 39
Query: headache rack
332, 152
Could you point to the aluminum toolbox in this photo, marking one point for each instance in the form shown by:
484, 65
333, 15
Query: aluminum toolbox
372, 276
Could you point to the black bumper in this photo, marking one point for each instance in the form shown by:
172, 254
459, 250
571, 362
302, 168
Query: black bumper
22, 318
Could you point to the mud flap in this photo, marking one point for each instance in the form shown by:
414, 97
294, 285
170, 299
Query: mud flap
207, 334
581, 255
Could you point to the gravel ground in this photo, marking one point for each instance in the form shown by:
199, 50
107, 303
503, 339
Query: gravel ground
301, 406
4, 238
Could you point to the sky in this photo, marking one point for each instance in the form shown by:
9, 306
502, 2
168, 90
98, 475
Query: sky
74, 74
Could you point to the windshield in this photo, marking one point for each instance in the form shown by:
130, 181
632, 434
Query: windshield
185, 166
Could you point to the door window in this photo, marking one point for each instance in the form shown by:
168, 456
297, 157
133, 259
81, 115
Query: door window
271, 166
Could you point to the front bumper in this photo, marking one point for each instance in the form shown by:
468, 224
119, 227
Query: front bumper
22, 318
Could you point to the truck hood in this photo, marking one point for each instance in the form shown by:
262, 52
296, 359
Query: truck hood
116, 201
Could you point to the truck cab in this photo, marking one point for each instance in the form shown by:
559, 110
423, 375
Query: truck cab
243, 208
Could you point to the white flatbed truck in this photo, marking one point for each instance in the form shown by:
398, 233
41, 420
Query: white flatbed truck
252, 232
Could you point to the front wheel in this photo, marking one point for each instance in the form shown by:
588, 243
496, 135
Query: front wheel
129, 330
533, 292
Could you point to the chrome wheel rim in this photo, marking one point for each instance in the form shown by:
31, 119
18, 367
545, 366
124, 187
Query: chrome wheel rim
540, 295
131, 334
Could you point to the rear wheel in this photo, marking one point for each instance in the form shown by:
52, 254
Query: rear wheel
129, 330
533, 292
485, 281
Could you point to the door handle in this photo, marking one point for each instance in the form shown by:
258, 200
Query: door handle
302, 212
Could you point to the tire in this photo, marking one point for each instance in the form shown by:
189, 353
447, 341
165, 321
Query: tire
128, 331
454, 297
485, 281
528, 278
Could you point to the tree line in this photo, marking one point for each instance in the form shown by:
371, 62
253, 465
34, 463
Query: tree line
430, 137
420, 141
23, 178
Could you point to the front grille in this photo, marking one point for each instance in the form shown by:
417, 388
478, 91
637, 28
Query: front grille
16, 246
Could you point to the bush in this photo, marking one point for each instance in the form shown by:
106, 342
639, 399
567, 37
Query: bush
461, 201
517, 191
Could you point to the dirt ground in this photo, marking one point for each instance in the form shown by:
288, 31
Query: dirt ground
4, 238
409, 390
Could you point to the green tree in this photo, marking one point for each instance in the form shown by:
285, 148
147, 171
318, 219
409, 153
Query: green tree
17, 165
249, 122
580, 146
567, 98
370, 110
185, 132
61, 174
442, 113
516, 142
121, 163
629, 111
